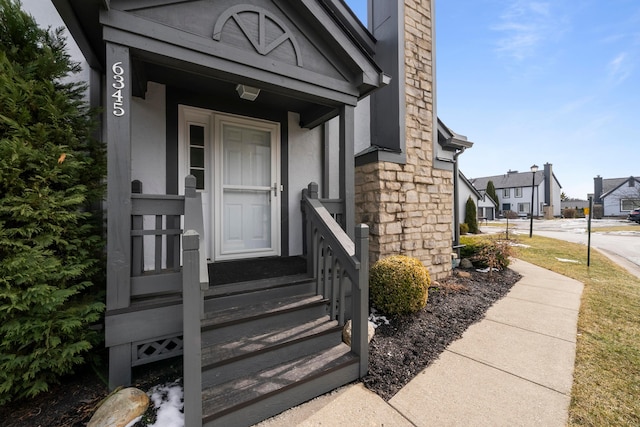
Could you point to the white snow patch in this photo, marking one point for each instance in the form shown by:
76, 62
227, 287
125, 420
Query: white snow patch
168, 400
485, 270
568, 260
376, 320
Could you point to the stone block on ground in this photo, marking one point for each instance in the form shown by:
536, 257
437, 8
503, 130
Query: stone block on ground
120, 408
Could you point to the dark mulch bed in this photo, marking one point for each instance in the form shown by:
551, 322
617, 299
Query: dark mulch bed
398, 352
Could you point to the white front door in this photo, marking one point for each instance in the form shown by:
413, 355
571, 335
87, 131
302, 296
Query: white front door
240, 181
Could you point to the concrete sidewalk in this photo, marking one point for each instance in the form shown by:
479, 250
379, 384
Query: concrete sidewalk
513, 368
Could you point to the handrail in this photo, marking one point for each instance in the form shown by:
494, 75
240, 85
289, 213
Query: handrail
336, 261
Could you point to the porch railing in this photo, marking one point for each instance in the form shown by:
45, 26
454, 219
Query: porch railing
338, 264
150, 328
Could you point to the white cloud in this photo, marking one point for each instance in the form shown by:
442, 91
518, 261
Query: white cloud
619, 68
525, 25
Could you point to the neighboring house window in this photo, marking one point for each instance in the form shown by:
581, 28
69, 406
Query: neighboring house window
524, 208
196, 154
518, 191
506, 193
629, 204
506, 206
480, 213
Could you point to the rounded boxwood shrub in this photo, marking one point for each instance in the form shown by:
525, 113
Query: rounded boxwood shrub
399, 285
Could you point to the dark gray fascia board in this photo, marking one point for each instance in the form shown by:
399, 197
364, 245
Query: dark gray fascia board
455, 143
380, 154
353, 26
372, 74
72, 23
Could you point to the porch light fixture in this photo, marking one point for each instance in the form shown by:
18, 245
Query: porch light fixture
247, 92
534, 169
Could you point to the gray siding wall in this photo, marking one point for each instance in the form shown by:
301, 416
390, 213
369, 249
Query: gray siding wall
148, 140
305, 166
148, 153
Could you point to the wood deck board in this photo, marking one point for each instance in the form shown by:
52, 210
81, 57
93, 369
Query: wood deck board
265, 339
259, 309
235, 394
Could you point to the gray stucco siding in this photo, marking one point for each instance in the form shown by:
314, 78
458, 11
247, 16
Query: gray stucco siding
305, 166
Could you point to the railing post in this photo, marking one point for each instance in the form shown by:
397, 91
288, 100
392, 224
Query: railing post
313, 190
137, 242
359, 342
312, 193
192, 353
193, 220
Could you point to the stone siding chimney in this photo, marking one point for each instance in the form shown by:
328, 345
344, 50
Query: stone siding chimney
407, 203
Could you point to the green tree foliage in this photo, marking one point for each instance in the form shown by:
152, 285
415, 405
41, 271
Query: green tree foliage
471, 216
491, 191
51, 267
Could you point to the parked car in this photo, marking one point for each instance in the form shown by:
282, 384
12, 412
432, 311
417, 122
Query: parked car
634, 215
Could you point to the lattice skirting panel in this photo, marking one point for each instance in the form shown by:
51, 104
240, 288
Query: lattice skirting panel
156, 349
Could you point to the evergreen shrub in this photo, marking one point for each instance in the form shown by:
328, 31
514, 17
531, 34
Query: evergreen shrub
485, 253
399, 284
51, 244
471, 216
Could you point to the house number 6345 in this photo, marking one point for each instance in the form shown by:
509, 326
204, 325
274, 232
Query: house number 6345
118, 85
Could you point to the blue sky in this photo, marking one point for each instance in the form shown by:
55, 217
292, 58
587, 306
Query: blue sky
540, 82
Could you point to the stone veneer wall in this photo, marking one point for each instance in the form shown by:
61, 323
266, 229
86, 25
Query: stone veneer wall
409, 207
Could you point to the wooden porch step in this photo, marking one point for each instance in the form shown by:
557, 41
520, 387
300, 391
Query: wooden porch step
285, 307
220, 297
273, 346
246, 400
263, 340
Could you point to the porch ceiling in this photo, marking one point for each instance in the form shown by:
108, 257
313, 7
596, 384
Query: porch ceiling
201, 80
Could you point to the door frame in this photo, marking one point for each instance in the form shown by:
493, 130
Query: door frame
211, 195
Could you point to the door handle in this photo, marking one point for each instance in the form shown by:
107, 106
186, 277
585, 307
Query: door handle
274, 188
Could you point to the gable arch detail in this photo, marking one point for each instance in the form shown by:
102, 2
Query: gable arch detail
239, 15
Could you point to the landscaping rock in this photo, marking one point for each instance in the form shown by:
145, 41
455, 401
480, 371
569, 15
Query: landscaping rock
120, 408
346, 332
465, 263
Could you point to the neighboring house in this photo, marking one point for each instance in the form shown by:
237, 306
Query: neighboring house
618, 196
457, 144
256, 101
514, 191
485, 206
